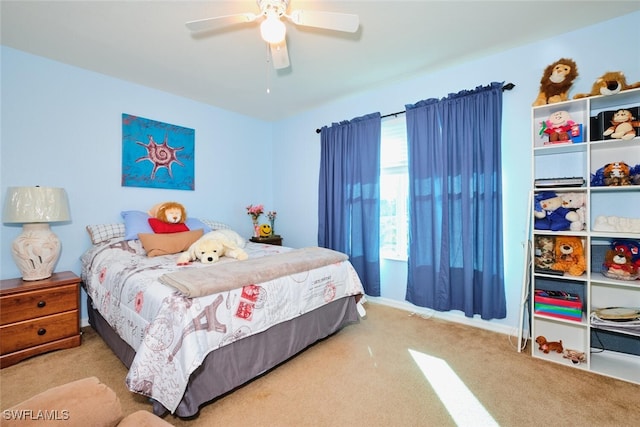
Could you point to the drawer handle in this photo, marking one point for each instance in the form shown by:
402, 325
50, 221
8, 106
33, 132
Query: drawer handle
41, 304
42, 331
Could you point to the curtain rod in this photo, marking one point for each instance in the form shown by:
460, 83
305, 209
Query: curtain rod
508, 86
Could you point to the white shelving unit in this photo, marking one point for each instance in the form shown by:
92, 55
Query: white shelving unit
612, 351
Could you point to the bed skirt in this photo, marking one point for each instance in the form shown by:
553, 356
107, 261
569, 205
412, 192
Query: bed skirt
231, 366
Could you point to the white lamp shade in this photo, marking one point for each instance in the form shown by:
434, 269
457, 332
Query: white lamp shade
273, 29
35, 204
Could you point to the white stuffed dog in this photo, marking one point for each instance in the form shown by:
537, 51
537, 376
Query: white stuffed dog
211, 246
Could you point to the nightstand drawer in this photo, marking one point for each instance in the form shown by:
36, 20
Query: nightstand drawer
37, 303
21, 335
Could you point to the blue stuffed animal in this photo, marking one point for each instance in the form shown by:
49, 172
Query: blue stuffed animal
550, 214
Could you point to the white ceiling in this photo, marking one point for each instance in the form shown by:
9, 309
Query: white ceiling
146, 42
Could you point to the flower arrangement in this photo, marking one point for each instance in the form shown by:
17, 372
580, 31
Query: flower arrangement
255, 212
272, 219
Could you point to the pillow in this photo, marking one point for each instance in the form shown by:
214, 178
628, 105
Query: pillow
159, 226
136, 222
168, 243
195, 223
86, 402
102, 232
215, 225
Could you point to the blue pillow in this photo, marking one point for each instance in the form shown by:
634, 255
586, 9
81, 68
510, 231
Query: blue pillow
136, 222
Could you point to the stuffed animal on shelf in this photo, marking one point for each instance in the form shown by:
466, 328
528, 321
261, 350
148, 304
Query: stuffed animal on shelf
623, 125
559, 127
551, 215
544, 252
609, 83
213, 245
617, 264
168, 217
616, 223
634, 174
570, 255
547, 346
575, 202
556, 81
574, 356
617, 174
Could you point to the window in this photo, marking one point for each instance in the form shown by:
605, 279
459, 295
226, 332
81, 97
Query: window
394, 184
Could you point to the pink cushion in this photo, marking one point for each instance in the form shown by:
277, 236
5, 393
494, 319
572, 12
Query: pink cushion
167, 244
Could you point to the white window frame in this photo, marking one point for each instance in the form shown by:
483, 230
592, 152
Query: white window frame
393, 167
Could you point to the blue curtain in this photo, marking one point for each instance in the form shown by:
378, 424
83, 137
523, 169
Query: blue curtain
455, 203
349, 195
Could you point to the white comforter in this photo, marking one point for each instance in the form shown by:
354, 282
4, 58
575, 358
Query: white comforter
172, 334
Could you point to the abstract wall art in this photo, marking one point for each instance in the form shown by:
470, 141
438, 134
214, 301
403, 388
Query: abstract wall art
157, 154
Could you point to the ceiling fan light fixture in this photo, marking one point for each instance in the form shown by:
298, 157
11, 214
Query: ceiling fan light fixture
273, 29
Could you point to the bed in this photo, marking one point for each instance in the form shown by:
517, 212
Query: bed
184, 351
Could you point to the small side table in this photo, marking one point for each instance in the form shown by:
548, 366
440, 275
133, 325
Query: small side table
276, 239
38, 316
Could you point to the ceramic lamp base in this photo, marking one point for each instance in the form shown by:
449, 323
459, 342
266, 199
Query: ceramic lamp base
36, 251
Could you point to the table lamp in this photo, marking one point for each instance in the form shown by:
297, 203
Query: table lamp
37, 249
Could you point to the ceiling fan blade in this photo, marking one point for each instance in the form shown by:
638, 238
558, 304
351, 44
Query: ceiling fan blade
220, 21
279, 55
327, 20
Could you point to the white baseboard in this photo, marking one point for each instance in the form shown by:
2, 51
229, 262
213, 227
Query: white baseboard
451, 316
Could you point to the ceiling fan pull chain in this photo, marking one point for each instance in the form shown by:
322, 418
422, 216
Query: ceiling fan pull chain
268, 68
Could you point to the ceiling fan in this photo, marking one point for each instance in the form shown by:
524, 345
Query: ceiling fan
272, 28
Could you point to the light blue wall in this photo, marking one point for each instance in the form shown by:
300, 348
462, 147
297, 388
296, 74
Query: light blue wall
61, 127
593, 48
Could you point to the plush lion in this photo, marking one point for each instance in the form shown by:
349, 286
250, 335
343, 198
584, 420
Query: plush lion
213, 245
570, 255
609, 83
169, 212
556, 81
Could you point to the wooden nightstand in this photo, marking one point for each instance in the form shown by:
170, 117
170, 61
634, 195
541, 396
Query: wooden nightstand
276, 239
38, 316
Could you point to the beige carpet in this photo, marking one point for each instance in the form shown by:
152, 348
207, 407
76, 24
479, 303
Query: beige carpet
365, 376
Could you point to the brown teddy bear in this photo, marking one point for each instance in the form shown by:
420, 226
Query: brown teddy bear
556, 81
609, 83
570, 255
547, 346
